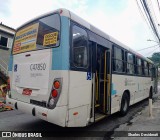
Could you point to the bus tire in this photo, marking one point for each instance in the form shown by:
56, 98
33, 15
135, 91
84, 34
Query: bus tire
124, 104
151, 93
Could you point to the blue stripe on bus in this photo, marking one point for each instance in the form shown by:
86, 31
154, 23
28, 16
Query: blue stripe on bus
113, 91
60, 55
10, 63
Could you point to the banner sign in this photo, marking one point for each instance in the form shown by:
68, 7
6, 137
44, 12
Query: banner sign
25, 39
50, 39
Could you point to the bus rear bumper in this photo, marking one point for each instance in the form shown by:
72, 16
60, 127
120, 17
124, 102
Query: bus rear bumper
56, 115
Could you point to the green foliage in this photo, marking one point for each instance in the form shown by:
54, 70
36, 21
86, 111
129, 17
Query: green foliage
155, 58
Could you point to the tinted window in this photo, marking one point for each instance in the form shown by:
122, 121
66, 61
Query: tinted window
48, 32
118, 63
130, 63
40, 34
145, 68
139, 66
80, 51
150, 69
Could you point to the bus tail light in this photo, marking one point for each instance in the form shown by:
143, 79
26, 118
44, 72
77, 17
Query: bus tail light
55, 93
56, 84
51, 102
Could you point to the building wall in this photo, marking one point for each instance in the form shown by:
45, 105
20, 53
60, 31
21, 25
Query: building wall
6, 40
4, 54
5, 51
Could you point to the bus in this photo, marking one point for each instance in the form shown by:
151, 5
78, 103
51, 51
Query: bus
65, 71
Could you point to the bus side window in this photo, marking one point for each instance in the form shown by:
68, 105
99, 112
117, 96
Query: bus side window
139, 66
80, 50
130, 63
145, 68
142, 62
148, 69
150, 72
118, 59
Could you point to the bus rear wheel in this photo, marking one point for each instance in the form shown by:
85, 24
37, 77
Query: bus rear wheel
124, 104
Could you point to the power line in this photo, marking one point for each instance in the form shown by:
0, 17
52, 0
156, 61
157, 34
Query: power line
144, 18
148, 48
146, 13
151, 20
158, 5
152, 51
142, 14
151, 5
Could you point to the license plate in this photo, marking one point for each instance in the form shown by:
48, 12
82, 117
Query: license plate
27, 91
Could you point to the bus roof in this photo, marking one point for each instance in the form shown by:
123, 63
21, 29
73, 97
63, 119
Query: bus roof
74, 17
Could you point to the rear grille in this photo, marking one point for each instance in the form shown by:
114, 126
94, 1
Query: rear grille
43, 104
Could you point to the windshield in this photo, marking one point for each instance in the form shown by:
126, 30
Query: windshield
40, 34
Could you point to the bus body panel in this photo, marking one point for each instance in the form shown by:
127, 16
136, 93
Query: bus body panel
31, 72
56, 116
73, 107
60, 55
64, 75
78, 116
138, 88
80, 90
57, 60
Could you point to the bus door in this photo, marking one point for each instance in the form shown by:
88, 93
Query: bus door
102, 80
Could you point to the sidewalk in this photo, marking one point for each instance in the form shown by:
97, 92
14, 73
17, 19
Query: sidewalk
142, 122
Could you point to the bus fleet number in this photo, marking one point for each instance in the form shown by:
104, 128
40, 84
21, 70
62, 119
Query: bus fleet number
40, 66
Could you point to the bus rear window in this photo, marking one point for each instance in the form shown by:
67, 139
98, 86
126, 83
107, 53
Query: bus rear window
40, 34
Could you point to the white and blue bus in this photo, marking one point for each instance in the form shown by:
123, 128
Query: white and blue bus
67, 72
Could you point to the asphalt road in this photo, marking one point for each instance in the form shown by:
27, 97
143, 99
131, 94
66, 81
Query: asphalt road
19, 121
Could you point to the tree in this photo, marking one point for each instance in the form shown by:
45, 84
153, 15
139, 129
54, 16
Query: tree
155, 58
